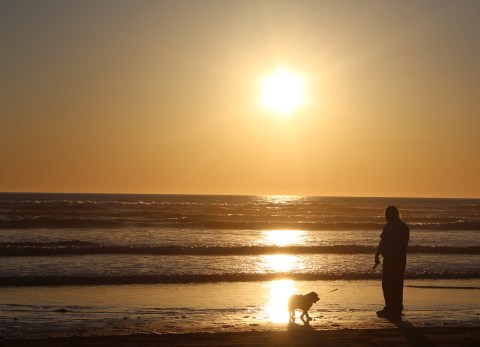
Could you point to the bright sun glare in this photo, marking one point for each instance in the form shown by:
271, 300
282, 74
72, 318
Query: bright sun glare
276, 308
283, 91
284, 238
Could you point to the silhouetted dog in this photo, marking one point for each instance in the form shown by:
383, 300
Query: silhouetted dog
301, 302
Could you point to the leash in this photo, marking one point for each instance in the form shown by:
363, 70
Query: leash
334, 290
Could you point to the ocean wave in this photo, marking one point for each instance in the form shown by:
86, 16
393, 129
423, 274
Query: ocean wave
16, 281
442, 287
90, 211
77, 247
178, 220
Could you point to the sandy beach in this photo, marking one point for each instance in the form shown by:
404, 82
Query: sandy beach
298, 336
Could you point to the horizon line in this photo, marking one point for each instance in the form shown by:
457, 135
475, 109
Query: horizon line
216, 194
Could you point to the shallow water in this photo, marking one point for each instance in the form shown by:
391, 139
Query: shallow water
103, 269
132, 236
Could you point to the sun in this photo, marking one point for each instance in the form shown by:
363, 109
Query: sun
283, 91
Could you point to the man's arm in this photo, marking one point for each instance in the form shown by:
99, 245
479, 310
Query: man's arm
377, 254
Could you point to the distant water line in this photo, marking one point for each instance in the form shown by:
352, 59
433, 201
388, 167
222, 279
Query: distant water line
29, 281
22, 249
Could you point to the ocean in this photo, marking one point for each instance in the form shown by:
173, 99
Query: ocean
110, 263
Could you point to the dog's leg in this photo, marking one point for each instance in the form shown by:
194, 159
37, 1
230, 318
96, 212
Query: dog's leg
292, 316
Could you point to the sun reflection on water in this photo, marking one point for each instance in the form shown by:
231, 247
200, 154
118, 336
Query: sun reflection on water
276, 308
280, 263
281, 199
282, 238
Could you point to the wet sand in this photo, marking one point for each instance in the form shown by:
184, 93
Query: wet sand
297, 336
226, 308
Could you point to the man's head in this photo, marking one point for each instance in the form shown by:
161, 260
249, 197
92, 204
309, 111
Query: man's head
392, 214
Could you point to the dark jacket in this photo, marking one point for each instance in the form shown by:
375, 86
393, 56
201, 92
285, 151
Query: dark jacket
394, 240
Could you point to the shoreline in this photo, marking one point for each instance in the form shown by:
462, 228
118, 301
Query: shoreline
300, 335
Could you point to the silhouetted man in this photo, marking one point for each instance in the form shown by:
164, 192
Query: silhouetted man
393, 247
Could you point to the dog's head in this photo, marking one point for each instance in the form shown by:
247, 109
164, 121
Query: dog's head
312, 297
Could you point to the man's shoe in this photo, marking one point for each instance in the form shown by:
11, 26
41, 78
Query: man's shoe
382, 314
390, 316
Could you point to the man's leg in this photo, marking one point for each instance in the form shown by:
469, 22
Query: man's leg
398, 270
388, 283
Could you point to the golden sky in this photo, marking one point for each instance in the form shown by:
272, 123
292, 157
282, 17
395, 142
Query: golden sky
163, 97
